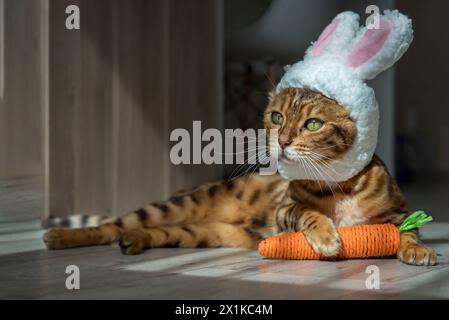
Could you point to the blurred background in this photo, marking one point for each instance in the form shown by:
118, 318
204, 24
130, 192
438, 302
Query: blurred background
85, 115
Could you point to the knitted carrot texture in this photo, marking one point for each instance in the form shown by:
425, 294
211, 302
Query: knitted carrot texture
362, 241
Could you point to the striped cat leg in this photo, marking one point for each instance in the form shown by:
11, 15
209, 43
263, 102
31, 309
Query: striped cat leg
414, 253
319, 230
226, 201
63, 238
174, 211
210, 235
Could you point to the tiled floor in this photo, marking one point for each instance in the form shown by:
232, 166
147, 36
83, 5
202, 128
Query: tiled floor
27, 270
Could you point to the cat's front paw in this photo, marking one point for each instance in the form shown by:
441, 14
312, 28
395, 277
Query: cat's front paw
324, 240
418, 255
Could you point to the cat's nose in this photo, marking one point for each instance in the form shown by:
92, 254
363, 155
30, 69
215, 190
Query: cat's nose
284, 142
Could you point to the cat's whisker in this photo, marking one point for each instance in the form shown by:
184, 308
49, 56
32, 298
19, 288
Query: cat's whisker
272, 82
304, 164
316, 173
238, 171
322, 162
333, 146
326, 166
235, 173
316, 157
254, 167
241, 166
323, 157
257, 165
244, 151
249, 138
257, 150
319, 172
246, 142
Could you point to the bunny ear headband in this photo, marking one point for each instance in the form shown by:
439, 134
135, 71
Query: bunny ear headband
337, 65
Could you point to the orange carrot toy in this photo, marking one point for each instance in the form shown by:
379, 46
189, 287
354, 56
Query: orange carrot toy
362, 241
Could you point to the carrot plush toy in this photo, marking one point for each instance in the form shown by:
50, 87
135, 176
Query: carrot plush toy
360, 241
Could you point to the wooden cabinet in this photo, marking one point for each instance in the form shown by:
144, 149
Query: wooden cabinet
21, 88
107, 96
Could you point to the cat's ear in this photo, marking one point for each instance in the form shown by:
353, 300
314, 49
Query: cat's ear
336, 37
375, 50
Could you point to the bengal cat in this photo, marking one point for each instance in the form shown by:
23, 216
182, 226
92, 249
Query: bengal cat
241, 212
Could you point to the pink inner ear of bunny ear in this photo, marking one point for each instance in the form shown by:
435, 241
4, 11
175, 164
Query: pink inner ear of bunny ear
371, 43
324, 38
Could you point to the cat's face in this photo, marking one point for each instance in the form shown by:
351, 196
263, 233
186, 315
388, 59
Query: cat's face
310, 126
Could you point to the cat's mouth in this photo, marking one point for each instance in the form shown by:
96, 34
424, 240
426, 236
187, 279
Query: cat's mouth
286, 158
283, 158
291, 157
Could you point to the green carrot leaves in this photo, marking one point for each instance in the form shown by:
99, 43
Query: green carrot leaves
415, 220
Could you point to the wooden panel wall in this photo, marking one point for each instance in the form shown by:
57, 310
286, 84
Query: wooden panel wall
422, 112
193, 77
21, 104
135, 70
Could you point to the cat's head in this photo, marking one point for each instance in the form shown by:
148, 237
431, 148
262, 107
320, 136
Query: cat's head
312, 130
336, 68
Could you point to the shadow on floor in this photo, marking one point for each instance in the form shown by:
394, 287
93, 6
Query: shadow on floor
106, 274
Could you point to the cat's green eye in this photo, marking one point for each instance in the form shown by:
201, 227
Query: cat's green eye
313, 124
277, 118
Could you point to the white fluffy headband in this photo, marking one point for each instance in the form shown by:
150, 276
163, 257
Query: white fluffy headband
337, 65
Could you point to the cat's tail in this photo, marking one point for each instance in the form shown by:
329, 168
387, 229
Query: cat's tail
76, 221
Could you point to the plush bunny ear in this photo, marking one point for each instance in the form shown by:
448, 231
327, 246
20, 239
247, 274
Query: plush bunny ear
375, 50
336, 37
